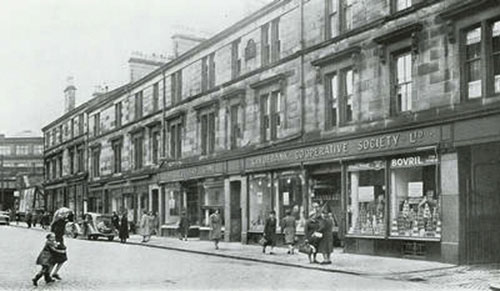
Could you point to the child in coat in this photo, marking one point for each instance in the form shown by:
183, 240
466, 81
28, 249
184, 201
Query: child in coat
45, 259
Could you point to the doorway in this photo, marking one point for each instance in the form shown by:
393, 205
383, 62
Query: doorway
235, 219
155, 197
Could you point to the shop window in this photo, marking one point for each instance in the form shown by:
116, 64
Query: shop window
174, 203
212, 199
415, 204
260, 201
366, 199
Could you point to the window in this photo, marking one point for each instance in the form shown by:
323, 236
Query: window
366, 199
4, 150
80, 123
60, 165
117, 156
138, 141
234, 126
80, 159
260, 200
118, 114
138, 105
71, 159
96, 156
402, 4
176, 87
155, 146
54, 136
22, 150
97, 124
207, 132
47, 170
72, 124
339, 101
270, 42
235, 59
60, 133
403, 70
339, 17
415, 203
208, 72
156, 97
38, 149
175, 134
270, 115
54, 168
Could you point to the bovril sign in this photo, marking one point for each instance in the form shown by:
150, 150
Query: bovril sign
413, 161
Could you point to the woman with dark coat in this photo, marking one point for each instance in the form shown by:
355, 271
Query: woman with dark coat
45, 259
183, 227
215, 228
270, 232
123, 229
58, 228
288, 227
325, 246
115, 219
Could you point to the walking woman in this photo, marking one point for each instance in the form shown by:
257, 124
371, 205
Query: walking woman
215, 228
58, 228
183, 226
145, 226
123, 229
270, 232
288, 227
325, 246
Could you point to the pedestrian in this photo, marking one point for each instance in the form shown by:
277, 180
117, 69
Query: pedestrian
325, 246
123, 230
58, 227
29, 219
115, 219
145, 227
45, 220
215, 228
270, 232
288, 228
155, 224
18, 217
311, 234
45, 259
183, 226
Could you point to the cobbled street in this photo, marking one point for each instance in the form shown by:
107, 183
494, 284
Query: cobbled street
102, 265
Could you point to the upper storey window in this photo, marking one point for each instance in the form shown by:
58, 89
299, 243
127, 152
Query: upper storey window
138, 105
208, 72
270, 42
402, 4
403, 74
176, 87
339, 17
481, 60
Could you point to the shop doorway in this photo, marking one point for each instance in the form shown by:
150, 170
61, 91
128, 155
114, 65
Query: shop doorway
327, 189
192, 203
235, 188
155, 202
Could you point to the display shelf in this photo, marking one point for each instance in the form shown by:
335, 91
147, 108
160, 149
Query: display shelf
413, 238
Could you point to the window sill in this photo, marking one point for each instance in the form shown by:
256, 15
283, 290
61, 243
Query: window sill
364, 236
413, 238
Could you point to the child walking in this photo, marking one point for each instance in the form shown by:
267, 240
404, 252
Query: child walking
45, 259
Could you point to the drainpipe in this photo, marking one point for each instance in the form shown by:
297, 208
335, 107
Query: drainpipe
302, 82
163, 123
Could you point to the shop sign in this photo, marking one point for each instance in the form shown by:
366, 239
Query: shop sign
354, 147
413, 161
193, 172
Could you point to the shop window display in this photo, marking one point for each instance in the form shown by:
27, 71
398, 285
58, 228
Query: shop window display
366, 199
212, 199
260, 200
415, 204
290, 198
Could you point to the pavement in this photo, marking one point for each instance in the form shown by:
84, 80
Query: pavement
103, 265
482, 277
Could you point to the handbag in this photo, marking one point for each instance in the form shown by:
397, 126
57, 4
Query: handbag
317, 234
262, 241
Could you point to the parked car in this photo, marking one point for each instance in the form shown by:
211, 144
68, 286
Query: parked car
4, 217
97, 225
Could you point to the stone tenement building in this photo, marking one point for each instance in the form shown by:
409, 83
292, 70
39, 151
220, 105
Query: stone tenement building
21, 166
385, 112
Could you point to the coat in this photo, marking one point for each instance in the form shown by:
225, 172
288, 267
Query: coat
184, 225
215, 227
51, 254
288, 227
325, 245
145, 225
311, 226
58, 227
123, 230
270, 231
116, 221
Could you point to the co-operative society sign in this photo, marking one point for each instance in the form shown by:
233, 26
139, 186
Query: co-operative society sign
378, 143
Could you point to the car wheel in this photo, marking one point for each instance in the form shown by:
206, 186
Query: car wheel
90, 237
111, 238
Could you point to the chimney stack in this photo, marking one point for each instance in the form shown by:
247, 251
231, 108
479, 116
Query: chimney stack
181, 43
69, 95
141, 64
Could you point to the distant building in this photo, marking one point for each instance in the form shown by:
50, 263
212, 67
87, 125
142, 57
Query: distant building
21, 166
386, 112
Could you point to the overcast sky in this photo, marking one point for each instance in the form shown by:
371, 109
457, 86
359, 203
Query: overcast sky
43, 42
